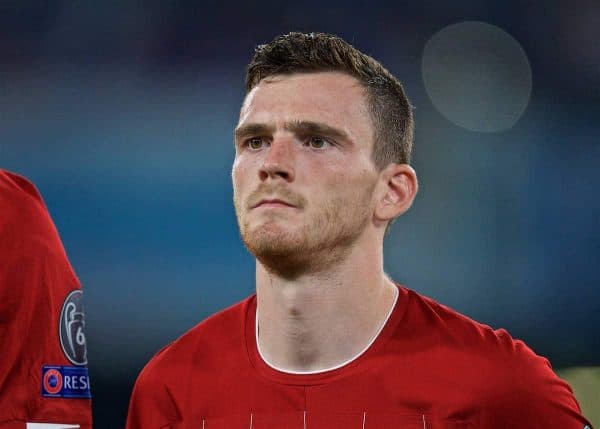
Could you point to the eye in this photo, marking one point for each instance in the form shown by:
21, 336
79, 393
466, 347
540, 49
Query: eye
317, 142
255, 143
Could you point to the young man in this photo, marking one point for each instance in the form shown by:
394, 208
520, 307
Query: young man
44, 380
329, 341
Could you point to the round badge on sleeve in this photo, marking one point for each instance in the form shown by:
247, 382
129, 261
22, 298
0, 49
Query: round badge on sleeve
71, 328
53, 381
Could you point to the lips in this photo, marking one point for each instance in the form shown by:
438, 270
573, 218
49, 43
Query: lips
272, 202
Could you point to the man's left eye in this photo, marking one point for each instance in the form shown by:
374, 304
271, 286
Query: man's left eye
317, 142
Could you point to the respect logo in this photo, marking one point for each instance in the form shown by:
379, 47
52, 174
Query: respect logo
65, 382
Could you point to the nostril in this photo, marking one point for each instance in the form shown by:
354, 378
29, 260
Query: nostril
264, 174
275, 171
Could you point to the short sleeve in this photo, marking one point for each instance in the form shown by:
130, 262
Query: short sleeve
43, 379
530, 395
151, 404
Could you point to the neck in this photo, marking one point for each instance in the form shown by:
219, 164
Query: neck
320, 320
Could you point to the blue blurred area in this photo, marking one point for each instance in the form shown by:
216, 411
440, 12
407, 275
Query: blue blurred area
122, 114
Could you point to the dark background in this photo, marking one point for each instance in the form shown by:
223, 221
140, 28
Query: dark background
122, 113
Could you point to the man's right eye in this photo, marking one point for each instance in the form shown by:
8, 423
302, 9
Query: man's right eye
255, 143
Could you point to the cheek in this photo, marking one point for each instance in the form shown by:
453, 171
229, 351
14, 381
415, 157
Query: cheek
352, 185
346, 177
239, 173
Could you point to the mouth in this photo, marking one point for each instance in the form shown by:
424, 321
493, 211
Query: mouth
272, 203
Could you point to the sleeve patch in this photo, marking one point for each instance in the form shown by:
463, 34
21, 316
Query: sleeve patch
71, 329
65, 382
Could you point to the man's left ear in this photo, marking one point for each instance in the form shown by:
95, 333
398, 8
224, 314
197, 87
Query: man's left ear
400, 186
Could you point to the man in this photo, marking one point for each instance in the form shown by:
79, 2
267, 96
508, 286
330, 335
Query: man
329, 341
44, 380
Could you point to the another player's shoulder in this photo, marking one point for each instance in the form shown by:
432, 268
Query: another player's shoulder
18, 194
219, 337
10, 181
22, 208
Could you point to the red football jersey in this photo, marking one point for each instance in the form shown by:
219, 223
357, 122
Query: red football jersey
43, 375
429, 368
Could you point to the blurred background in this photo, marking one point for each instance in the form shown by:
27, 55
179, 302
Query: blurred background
122, 113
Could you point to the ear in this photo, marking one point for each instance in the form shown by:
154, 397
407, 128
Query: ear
399, 188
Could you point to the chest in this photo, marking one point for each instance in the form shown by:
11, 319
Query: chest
377, 399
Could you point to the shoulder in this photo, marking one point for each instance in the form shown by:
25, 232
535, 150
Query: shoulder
515, 385
24, 221
18, 197
30, 247
444, 325
477, 348
14, 183
163, 384
211, 341
453, 330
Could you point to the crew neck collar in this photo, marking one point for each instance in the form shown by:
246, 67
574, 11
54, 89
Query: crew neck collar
321, 376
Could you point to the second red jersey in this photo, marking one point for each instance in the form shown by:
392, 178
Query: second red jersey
44, 380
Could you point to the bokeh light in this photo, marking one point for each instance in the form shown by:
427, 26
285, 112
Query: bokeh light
477, 76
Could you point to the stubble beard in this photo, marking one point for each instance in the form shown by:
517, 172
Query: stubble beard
322, 240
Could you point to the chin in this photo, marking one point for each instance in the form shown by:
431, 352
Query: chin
292, 254
273, 240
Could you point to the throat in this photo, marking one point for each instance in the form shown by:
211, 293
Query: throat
302, 344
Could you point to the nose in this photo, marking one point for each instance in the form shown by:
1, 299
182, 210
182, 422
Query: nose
278, 162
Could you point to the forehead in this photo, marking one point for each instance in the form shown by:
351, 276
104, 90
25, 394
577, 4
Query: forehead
334, 98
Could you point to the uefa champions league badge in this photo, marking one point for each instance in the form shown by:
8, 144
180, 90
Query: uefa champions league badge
65, 382
69, 381
71, 328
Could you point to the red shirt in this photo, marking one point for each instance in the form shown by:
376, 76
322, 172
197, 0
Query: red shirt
43, 378
430, 367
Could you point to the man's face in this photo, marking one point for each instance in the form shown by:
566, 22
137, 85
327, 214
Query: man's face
303, 177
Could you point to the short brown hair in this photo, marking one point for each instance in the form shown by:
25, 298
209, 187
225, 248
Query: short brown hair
391, 112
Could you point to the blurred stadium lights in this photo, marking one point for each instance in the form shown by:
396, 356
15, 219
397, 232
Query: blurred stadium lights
477, 76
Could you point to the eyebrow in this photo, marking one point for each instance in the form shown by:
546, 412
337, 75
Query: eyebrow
301, 128
253, 129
